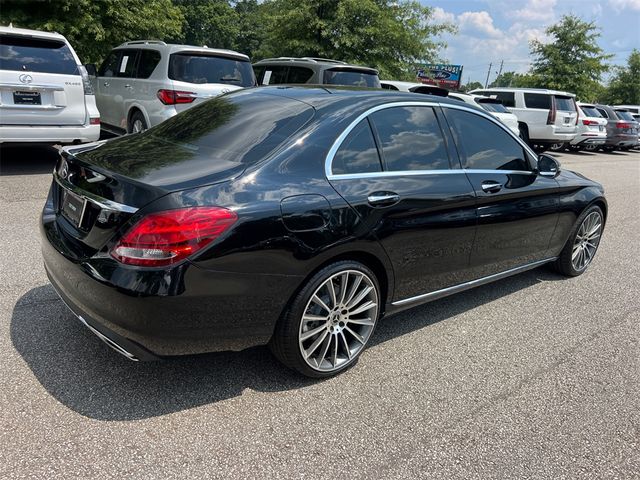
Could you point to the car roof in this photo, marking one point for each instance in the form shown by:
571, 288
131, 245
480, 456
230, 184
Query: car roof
32, 33
174, 48
312, 61
525, 90
400, 83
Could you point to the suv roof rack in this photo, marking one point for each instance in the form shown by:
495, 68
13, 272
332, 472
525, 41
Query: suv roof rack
144, 42
327, 60
303, 59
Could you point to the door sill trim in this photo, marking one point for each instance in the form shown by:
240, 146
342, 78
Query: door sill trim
435, 295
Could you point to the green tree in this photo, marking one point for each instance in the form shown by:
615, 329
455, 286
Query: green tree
573, 61
393, 36
513, 79
624, 86
93, 27
213, 23
251, 31
471, 86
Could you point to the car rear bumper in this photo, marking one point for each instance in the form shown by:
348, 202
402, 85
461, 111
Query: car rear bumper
622, 141
590, 139
49, 134
550, 134
178, 311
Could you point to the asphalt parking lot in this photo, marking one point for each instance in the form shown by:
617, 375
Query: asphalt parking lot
535, 376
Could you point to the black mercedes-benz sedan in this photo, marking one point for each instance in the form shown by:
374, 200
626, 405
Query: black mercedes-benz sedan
298, 216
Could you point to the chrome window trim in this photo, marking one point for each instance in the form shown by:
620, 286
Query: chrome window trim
350, 176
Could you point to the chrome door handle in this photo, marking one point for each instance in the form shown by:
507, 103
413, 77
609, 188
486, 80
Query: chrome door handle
380, 199
106, 84
491, 187
128, 86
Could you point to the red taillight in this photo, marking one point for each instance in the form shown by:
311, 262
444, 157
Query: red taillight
589, 122
171, 97
575, 107
94, 121
551, 118
165, 238
623, 125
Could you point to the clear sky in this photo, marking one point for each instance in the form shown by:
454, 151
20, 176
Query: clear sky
495, 30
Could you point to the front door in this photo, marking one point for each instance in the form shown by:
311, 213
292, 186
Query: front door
394, 170
517, 208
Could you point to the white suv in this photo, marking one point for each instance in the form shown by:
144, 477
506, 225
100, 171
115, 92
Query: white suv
545, 117
142, 83
45, 93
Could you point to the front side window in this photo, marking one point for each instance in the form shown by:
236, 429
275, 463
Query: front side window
352, 77
358, 152
202, 68
484, 145
537, 100
24, 54
410, 139
110, 65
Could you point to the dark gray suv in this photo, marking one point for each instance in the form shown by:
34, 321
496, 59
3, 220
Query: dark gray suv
319, 71
622, 130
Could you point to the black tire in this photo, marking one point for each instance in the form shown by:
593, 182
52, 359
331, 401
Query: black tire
136, 117
285, 343
564, 264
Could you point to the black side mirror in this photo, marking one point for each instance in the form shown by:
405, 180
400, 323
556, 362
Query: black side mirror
91, 69
548, 166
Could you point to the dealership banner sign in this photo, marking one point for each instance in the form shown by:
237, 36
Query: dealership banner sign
447, 76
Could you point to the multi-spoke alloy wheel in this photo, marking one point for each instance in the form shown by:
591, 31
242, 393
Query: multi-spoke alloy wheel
338, 320
328, 323
586, 241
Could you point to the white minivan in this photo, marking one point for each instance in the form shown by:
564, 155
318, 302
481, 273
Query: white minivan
45, 93
545, 117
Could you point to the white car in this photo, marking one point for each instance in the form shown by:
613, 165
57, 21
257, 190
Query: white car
592, 128
493, 106
545, 117
144, 82
45, 93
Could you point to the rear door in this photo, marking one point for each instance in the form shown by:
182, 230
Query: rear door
517, 209
123, 85
40, 83
105, 100
409, 196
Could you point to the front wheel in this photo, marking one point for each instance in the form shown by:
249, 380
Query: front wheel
582, 244
329, 322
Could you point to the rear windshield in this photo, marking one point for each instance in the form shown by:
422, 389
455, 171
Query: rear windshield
590, 111
566, 104
624, 115
357, 78
492, 106
36, 55
195, 68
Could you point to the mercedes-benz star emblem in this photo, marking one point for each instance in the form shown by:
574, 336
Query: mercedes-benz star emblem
24, 78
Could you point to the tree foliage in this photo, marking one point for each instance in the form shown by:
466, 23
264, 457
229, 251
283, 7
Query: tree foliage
573, 61
515, 80
624, 86
94, 28
208, 22
391, 35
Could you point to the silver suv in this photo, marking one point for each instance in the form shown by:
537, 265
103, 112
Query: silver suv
319, 71
142, 83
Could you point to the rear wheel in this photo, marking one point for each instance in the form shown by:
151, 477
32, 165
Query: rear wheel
137, 123
582, 244
330, 321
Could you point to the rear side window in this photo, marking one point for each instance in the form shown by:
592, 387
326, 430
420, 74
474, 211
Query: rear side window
148, 62
565, 104
353, 77
299, 75
110, 65
508, 99
590, 111
410, 139
484, 145
127, 63
36, 55
199, 69
537, 100
358, 152
492, 106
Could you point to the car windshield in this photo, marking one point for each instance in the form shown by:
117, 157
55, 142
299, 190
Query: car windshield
624, 115
566, 104
36, 55
353, 77
590, 111
492, 106
200, 68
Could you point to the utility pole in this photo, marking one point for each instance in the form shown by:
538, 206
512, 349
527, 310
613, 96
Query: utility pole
486, 83
500, 71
